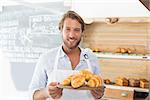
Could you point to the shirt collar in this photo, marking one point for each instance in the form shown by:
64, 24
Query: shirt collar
62, 53
82, 54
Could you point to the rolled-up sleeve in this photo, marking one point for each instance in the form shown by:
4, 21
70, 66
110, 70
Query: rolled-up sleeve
39, 79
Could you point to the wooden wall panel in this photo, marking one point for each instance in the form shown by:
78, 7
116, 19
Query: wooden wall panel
109, 37
148, 70
113, 68
148, 48
133, 33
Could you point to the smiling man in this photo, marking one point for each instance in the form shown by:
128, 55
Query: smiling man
59, 62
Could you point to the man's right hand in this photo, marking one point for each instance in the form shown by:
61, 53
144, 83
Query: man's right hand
54, 91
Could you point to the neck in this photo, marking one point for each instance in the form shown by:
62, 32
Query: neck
73, 54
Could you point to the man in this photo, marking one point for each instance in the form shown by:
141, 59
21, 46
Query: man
62, 61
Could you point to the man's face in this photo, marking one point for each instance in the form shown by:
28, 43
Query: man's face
71, 33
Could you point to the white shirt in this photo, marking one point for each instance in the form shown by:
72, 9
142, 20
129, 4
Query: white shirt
46, 64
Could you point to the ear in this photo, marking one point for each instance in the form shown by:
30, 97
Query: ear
82, 34
60, 31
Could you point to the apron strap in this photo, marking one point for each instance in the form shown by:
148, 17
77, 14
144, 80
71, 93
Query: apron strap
57, 58
55, 64
87, 50
88, 62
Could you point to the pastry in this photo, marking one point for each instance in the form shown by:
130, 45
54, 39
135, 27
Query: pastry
123, 50
67, 81
134, 82
129, 51
77, 81
87, 74
144, 83
96, 50
107, 81
95, 81
122, 81
84, 77
118, 50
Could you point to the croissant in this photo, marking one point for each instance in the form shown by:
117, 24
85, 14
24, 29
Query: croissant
77, 81
87, 74
95, 81
67, 81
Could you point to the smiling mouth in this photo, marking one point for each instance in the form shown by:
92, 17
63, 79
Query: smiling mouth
71, 40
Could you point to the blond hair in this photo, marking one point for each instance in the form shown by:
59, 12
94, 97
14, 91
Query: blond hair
72, 15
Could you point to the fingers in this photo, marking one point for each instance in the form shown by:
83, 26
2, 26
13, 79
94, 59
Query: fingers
57, 94
95, 94
54, 91
98, 93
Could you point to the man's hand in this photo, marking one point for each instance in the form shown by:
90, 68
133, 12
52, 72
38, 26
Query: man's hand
54, 91
98, 93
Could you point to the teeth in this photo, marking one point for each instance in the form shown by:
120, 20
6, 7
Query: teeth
71, 40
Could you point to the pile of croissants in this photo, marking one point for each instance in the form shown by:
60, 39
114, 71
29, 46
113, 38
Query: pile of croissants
83, 78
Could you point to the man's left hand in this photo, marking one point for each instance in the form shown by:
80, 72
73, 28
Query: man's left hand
98, 93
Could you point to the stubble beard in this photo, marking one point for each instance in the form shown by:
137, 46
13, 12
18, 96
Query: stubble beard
70, 46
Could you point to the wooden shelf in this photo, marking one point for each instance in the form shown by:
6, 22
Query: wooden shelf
122, 56
127, 88
121, 19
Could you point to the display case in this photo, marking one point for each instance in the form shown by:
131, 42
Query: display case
123, 49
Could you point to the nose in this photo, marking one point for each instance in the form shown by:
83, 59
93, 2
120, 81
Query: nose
72, 34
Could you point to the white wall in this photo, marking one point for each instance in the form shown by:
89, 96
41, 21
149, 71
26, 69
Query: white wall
7, 87
109, 8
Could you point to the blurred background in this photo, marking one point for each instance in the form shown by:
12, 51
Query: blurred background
28, 28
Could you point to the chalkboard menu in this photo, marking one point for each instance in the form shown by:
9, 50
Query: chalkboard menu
29, 30
44, 24
26, 44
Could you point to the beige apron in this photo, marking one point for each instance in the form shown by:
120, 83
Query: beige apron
58, 75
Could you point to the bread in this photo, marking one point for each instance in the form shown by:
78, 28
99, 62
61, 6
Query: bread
123, 50
144, 83
96, 50
77, 81
129, 51
67, 81
107, 81
87, 74
134, 82
95, 81
122, 81
118, 50
84, 77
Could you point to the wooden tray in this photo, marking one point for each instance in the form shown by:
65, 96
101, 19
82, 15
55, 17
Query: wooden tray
80, 88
